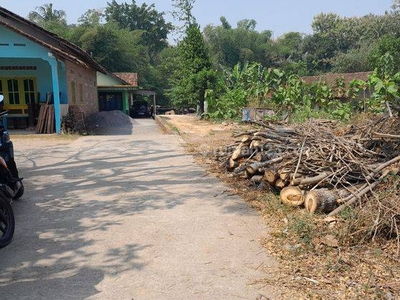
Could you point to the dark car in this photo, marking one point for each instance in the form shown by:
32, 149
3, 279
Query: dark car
140, 109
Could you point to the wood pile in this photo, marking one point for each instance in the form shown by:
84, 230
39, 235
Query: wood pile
314, 165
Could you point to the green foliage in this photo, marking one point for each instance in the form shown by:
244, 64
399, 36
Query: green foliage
384, 83
92, 17
239, 88
302, 227
228, 105
230, 46
354, 60
183, 12
132, 38
144, 18
287, 94
105, 41
46, 14
194, 74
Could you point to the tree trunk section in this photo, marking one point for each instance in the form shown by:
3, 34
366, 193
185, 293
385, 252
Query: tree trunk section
292, 196
322, 200
270, 176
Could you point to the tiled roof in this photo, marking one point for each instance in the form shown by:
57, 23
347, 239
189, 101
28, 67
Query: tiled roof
131, 78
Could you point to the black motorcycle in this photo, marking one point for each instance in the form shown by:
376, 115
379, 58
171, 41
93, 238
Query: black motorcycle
7, 220
11, 186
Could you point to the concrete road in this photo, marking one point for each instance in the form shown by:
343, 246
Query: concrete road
128, 216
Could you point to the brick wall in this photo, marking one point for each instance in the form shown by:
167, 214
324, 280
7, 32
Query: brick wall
82, 89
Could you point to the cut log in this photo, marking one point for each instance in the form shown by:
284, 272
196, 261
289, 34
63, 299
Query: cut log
321, 200
309, 180
256, 144
248, 175
261, 165
257, 179
284, 173
233, 164
246, 139
270, 176
242, 150
292, 196
257, 165
280, 184
260, 156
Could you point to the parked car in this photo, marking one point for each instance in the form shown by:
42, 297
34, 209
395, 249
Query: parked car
140, 109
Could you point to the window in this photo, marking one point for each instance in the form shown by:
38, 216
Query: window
18, 92
13, 91
29, 91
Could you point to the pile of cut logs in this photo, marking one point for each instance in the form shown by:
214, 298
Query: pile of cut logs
311, 165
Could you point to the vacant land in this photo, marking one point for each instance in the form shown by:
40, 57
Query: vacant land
320, 258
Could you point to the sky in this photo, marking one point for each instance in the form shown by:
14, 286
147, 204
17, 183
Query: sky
279, 16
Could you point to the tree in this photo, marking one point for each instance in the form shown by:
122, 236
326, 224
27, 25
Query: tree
230, 46
92, 17
386, 45
354, 60
183, 12
142, 18
225, 23
118, 50
46, 14
195, 75
320, 51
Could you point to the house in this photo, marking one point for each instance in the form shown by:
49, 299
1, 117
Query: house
37, 66
116, 90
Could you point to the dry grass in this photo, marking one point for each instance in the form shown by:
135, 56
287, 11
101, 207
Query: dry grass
353, 256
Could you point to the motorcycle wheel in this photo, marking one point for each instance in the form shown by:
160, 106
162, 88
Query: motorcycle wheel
20, 192
7, 222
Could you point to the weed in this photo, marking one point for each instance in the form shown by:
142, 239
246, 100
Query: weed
303, 228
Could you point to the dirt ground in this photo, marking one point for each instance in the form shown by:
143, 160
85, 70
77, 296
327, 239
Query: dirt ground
368, 271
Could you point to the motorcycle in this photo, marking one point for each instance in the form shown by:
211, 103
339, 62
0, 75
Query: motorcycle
7, 220
11, 186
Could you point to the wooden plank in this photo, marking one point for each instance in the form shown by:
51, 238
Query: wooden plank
49, 117
42, 118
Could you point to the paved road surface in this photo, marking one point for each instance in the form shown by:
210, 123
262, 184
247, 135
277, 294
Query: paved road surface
128, 216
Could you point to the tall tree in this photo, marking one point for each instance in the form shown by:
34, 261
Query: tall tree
45, 14
143, 18
230, 46
118, 50
92, 17
183, 12
194, 75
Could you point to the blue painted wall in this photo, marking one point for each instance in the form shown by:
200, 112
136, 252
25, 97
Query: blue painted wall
30, 55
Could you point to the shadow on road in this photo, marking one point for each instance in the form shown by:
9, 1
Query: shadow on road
79, 196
